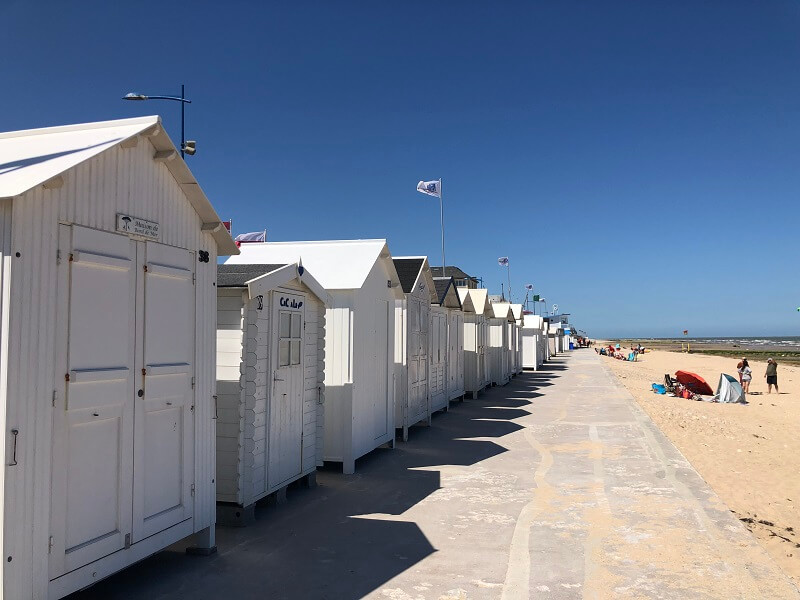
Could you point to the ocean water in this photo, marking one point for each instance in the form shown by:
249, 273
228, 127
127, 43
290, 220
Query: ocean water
788, 343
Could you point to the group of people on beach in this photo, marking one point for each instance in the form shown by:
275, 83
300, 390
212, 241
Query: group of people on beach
618, 353
746, 375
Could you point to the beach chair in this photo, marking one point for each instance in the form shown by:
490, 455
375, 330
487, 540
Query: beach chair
669, 382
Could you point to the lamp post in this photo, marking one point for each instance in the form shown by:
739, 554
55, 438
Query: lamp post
188, 147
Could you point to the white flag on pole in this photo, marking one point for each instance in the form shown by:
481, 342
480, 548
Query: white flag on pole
432, 188
503, 261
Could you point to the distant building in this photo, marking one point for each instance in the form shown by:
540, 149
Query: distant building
461, 278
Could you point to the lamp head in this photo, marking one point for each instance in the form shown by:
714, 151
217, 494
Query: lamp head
190, 147
132, 96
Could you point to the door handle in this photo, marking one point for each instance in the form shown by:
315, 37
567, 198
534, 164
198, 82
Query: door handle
13, 463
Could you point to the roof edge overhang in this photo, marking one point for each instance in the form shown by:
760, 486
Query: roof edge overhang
269, 281
149, 127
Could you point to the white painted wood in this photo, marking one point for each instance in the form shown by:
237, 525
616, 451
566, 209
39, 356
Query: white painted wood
164, 442
95, 188
5, 288
285, 430
270, 423
439, 398
455, 354
93, 444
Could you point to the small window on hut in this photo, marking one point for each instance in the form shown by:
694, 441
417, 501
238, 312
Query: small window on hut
290, 342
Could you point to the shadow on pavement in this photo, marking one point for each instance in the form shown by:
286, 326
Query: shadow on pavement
315, 545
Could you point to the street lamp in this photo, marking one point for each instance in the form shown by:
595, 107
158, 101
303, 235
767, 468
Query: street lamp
189, 147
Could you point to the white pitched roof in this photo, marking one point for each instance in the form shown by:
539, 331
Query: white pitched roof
336, 264
502, 310
534, 321
476, 299
517, 310
33, 156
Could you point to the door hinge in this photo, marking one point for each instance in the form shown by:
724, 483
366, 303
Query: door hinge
192, 382
55, 396
194, 278
192, 489
127, 541
50, 545
58, 257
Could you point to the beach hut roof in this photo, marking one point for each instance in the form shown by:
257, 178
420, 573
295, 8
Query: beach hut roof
446, 292
412, 269
517, 310
33, 157
336, 264
239, 275
408, 270
501, 310
260, 279
534, 321
475, 300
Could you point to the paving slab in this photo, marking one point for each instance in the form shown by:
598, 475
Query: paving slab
555, 486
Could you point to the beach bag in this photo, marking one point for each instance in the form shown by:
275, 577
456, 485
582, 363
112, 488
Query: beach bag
659, 389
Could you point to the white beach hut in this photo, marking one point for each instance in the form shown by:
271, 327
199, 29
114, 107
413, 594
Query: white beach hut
517, 345
448, 300
270, 383
108, 249
418, 375
532, 346
476, 308
360, 324
501, 321
554, 337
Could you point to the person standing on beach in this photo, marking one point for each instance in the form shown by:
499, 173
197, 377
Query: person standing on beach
739, 369
746, 374
772, 376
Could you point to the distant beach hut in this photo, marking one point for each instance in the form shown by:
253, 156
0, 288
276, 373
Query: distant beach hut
501, 322
532, 342
413, 400
451, 343
517, 339
477, 309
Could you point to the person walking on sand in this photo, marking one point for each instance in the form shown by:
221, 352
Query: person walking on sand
772, 376
746, 374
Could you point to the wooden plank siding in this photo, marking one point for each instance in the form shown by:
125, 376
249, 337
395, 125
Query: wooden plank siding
245, 371
116, 181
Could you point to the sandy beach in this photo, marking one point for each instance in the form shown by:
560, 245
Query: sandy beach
749, 454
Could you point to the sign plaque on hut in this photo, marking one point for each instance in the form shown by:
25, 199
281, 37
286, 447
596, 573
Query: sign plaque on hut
137, 226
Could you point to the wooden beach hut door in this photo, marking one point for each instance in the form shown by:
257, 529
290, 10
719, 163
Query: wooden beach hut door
285, 456
455, 352
122, 443
418, 324
480, 330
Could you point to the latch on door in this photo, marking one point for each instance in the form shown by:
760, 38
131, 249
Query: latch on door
140, 393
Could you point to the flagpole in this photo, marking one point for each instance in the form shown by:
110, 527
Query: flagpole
441, 216
508, 272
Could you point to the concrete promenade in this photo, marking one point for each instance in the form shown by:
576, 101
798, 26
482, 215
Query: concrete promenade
554, 486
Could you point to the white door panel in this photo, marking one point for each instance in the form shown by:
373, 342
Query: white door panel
92, 447
163, 464
285, 450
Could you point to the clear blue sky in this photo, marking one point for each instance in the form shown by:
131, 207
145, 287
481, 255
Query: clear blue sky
639, 162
